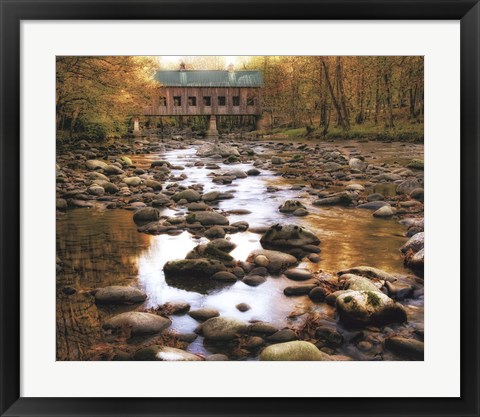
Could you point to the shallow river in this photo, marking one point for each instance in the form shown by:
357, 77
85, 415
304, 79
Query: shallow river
102, 247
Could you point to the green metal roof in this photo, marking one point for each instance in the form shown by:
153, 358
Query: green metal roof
209, 78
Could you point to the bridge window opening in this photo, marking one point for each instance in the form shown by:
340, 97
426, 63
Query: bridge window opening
250, 101
162, 101
177, 101
221, 101
192, 101
207, 101
236, 101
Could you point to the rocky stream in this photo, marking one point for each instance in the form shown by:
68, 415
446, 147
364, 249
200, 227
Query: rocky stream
245, 249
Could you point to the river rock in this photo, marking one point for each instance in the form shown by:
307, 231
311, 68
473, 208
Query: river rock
117, 294
277, 261
290, 206
368, 272
288, 236
375, 197
211, 196
407, 348
407, 186
132, 181
417, 194
357, 164
369, 308
203, 314
190, 195
317, 294
355, 187
298, 274
215, 232
224, 276
293, 351
217, 357
243, 307
416, 261
139, 323
358, 283
223, 328
223, 244
253, 280
93, 164
208, 218
415, 243
298, 290
155, 185
211, 149
331, 167
384, 212
262, 328
147, 214
164, 353
194, 268
284, 335
261, 260
97, 176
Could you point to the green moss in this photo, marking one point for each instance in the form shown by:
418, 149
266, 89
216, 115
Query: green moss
347, 299
373, 298
191, 218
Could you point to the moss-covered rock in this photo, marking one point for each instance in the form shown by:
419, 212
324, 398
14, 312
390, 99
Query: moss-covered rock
363, 308
293, 351
196, 268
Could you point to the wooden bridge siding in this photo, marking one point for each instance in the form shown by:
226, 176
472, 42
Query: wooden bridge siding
199, 92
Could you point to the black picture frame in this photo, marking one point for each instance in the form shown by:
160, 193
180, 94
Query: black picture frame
13, 12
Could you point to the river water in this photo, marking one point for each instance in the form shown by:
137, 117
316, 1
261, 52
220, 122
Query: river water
101, 247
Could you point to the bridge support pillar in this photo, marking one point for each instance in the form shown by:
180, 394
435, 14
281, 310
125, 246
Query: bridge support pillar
136, 126
212, 131
261, 122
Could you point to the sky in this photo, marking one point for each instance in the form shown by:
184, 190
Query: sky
171, 59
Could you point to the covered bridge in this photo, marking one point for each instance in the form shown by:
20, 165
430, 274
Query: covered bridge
207, 93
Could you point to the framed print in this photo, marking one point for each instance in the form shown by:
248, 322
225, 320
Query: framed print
239, 209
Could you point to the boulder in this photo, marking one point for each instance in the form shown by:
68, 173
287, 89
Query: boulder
147, 214
358, 283
190, 195
384, 212
415, 243
277, 261
93, 164
364, 308
407, 186
290, 206
211, 149
288, 236
208, 218
223, 328
293, 351
193, 268
132, 181
406, 348
284, 335
139, 323
368, 272
117, 294
164, 353
203, 314
357, 164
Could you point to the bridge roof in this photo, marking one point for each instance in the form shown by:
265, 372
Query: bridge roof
210, 78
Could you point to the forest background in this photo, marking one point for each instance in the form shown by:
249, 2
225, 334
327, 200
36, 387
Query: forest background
322, 97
